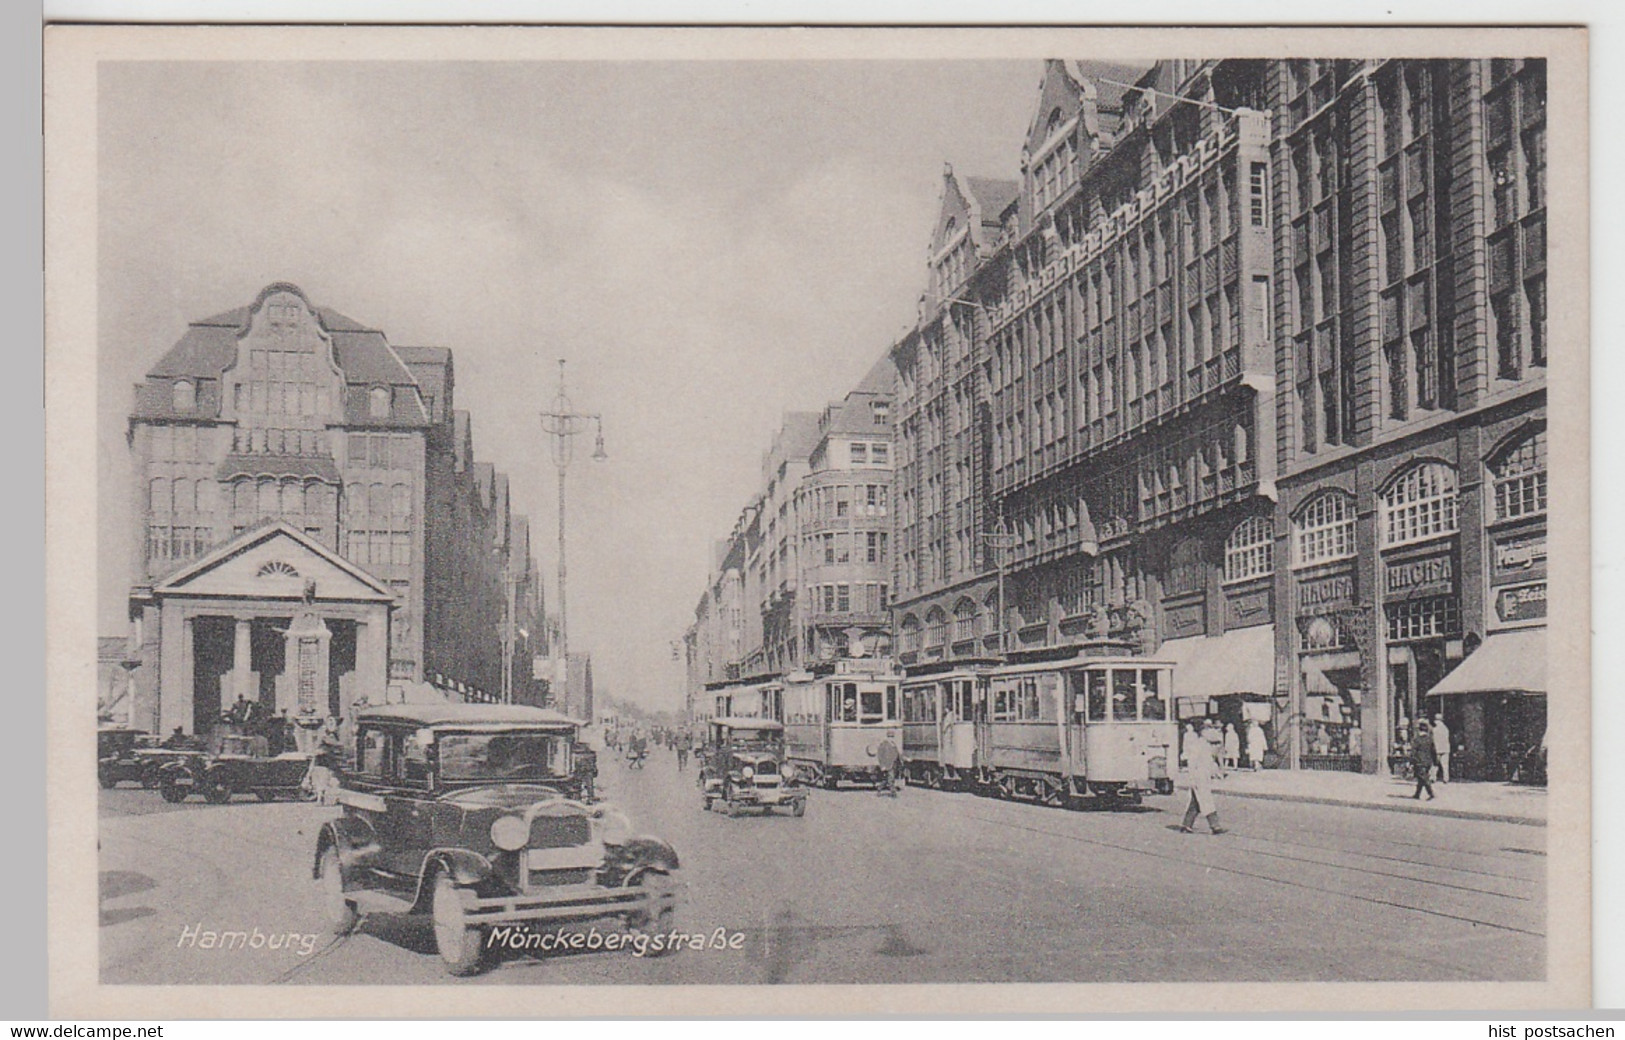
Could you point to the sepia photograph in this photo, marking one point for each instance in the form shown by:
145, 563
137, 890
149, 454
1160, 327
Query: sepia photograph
679, 520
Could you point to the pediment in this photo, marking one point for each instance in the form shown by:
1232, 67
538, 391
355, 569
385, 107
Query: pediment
953, 216
274, 562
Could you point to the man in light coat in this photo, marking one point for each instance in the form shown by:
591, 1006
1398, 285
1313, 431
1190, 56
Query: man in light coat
1204, 769
1441, 747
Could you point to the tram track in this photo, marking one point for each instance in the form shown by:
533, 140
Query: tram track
1241, 871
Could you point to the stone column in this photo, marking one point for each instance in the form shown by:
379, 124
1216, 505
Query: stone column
242, 666
175, 665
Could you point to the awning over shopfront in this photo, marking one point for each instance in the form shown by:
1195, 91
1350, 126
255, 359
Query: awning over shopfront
1240, 661
1508, 662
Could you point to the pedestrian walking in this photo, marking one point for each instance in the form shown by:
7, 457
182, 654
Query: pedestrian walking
682, 757
1204, 769
889, 760
1232, 747
1423, 759
1257, 744
1441, 747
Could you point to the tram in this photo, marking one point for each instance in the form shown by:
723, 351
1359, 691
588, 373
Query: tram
835, 715
1058, 732
939, 725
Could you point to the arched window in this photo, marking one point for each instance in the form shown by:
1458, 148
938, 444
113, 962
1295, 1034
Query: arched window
910, 630
965, 619
400, 502
378, 501
1420, 504
378, 402
355, 501
1249, 552
184, 395
1520, 477
269, 503
242, 496
160, 501
293, 498
1324, 529
936, 628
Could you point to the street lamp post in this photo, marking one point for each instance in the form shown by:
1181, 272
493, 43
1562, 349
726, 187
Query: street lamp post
563, 425
999, 541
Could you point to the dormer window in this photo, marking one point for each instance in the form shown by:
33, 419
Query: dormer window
378, 402
184, 395
882, 411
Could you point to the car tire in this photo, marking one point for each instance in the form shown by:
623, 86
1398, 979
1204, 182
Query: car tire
338, 912
216, 792
664, 920
461, 945
800, 808
172, 792
708, 800
106, 778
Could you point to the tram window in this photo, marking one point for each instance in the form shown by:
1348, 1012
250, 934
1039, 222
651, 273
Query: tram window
1124, 706
1097, 696
873, 705
1001, 705
1153, 708
1027, 700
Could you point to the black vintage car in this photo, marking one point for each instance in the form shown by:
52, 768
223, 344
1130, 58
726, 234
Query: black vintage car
119, 756
473, 815
242, 765
743, 766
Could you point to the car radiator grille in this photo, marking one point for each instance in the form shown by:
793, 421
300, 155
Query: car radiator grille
559, 832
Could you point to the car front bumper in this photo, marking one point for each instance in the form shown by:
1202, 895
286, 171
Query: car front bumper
768, 795
566, 903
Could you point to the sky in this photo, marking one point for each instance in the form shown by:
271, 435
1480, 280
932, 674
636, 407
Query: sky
708, 244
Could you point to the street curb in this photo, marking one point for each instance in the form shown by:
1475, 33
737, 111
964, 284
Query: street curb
1424, 810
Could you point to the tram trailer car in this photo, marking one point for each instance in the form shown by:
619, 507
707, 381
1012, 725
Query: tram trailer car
939, 727
834, 723
1059, 732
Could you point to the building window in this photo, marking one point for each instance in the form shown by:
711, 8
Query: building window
184, 396
878, 454
881, 411
1249, 552
1324, 530
1520, 478
1420, 504
860, 453
843, 598
378, 402
936, 628
1426, 618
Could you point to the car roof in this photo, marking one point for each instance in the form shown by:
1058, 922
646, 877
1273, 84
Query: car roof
735, 722
450, 714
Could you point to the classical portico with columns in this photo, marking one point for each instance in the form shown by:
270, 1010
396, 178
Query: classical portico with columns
272, 617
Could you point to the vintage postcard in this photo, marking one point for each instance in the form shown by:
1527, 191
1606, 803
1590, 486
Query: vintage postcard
553, 521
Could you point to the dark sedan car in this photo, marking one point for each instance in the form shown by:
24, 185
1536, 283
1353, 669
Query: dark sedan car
471, 813
744, 767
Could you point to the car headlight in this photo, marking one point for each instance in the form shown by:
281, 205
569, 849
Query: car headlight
747, 772
509, 833
788, 771
614, 827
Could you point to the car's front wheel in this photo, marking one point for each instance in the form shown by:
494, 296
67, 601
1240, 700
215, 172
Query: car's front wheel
661, 919
337, 911
173, 791
107, 777
800, 807
461, 945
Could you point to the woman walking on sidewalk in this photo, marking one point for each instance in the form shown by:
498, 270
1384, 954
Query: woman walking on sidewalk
1423, 759
1204, 769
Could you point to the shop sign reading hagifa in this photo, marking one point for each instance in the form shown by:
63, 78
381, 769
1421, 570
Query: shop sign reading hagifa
1434, 573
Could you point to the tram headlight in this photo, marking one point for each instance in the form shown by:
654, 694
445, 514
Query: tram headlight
509, 833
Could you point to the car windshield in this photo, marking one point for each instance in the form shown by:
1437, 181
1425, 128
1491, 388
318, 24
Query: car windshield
763, 739
502, 756
504, 796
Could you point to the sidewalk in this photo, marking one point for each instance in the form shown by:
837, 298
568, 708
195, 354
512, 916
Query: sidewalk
1508, 803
